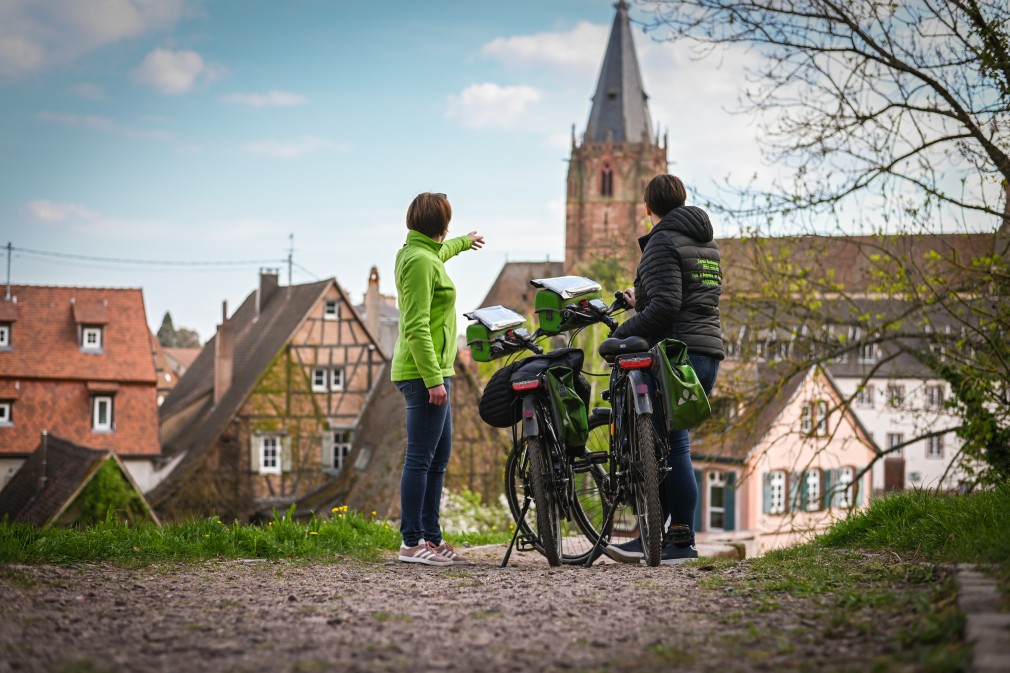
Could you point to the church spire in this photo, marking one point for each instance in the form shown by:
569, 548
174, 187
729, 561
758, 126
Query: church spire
620, 111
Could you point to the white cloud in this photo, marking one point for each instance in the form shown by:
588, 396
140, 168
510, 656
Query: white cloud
89, 90
292, 149
577, 51
490, 105
37, 35
103, 124
175, 72
51, 212
268, 99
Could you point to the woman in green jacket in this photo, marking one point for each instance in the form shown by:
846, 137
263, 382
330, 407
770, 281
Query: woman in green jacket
422, 366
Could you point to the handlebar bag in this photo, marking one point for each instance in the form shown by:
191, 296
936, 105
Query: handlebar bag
499, 404
569, 408
684, 401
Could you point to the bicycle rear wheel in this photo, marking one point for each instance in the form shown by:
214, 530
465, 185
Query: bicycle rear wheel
645, 488
541, 483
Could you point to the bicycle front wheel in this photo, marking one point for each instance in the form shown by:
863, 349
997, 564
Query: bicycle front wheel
645, 488
542, 490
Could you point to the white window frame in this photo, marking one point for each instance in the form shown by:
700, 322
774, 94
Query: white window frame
865, 397
934, 447
715, 479
846, 476
5, 335
331, 309
343, 440
6, 413
807, 418
821, 418
895, 395
97, 424
88, 331
935, 396
893, 440
777, 485
320, 379
270, 448
337, 379
813, 478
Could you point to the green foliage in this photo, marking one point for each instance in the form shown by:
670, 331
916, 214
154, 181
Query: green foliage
171, 337
107, 496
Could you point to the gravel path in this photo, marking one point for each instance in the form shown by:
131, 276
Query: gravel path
388, 616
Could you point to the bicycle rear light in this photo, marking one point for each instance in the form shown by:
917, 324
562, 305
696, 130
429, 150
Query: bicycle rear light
640, 362
532, 384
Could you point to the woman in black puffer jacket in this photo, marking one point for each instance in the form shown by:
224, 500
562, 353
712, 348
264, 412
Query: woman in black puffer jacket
676, 295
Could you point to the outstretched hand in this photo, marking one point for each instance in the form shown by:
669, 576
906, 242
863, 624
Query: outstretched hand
476, 240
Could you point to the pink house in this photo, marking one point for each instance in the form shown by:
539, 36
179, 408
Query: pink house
784, 470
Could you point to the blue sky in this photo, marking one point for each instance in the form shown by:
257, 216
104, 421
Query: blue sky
206, 130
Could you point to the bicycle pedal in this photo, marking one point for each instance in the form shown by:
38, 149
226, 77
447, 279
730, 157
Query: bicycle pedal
525, 543
598, 457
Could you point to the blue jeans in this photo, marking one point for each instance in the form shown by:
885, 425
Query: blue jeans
429, 443
678, 493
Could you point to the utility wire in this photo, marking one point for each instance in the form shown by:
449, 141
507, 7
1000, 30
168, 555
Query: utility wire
151, 262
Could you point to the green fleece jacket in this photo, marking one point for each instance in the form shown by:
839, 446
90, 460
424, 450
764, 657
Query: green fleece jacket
426, 346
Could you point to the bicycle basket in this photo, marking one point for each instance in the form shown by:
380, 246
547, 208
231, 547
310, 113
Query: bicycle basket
684, 401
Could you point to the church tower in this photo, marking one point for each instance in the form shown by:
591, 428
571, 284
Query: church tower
618, 155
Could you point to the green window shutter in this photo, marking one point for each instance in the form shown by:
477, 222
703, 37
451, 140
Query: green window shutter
794, 484
729, 501
857, 487
328, 450
804, 490
827, 498
698, 507
254, 454
766, 502
286, 453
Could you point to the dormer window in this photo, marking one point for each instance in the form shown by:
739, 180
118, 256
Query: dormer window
331, 310
5, 335
91, 338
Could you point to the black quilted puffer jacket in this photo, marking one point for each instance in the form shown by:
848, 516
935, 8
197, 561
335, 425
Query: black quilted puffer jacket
678, 283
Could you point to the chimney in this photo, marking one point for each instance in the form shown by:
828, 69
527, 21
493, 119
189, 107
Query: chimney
224, 354
373, 308
269, 282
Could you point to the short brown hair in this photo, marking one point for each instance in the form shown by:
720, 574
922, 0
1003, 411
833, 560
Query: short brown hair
429, 213
664, 193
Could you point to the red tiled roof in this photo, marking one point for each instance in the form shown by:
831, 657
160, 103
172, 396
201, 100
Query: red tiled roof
45, 342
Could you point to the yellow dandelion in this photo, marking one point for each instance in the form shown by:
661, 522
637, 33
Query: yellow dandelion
208, 535
270, 523
334, 510
373, 512
312, 532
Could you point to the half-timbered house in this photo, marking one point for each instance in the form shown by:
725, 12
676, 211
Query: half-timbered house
269, 409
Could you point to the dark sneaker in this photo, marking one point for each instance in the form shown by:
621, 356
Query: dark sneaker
674, 554
626, 552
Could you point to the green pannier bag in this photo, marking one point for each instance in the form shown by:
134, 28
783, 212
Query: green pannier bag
569, 409
685, 404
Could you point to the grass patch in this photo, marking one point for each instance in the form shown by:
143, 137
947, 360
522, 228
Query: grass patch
346, 533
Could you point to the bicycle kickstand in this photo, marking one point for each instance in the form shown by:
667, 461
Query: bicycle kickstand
515, 536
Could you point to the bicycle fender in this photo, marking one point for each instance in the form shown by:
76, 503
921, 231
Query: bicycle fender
643, 404
531, 428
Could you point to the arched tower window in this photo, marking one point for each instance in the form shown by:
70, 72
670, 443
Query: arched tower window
606, 181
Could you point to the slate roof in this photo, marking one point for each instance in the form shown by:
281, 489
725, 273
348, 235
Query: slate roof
620, 111
68, 469
512, 288
45, 342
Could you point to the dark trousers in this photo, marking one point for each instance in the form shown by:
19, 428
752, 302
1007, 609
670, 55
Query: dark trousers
429, 444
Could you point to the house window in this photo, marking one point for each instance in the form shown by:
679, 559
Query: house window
814, 418
336, 448
867, 354
821, 428
270, 454
91, 338
895, 395
812, 489
894, 440
101, 413
864, 397
807, 418
5, 335
6, 409
776, 492
716, 500
331, 309
934, 446
327, 378
934, 397
843, 495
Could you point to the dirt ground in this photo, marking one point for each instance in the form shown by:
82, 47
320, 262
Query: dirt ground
388, 616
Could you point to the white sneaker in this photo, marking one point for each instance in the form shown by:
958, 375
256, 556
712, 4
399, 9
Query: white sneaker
423, 552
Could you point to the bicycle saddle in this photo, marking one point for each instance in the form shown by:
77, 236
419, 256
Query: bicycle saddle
611, 348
